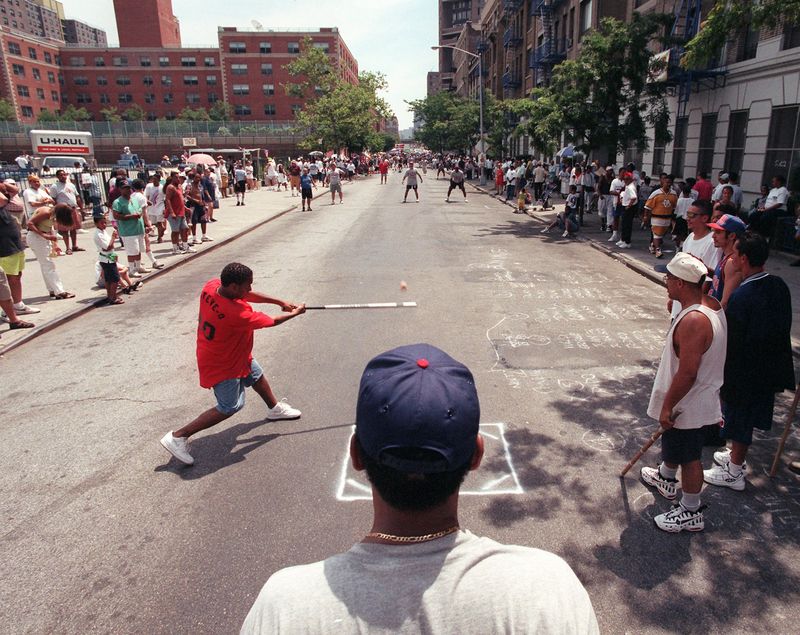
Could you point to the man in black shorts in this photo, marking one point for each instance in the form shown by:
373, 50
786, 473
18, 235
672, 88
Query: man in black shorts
456, 181
412, 175
759, 360
685, 395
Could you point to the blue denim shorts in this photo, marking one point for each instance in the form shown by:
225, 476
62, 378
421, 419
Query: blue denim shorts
230, 393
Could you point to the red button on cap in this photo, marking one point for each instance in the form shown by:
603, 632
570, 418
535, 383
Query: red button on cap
422, 363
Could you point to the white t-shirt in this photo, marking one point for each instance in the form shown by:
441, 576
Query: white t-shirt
102, 238
33, 196
155, 198
458, 584
683, 205
629, 195
617, 185
705, 250
777, 195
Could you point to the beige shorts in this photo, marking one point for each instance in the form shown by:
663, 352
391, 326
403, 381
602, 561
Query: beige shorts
660, 225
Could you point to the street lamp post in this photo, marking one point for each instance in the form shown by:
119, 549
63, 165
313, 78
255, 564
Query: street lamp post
480, 100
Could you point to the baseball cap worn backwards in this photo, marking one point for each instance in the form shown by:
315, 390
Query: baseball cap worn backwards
417, 397
729, 223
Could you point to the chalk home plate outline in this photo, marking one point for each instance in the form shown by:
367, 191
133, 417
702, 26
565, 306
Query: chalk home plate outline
350, 489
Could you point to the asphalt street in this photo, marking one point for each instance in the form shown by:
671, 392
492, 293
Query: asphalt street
103, 532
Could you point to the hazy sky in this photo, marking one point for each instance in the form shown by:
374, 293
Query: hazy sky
390, 36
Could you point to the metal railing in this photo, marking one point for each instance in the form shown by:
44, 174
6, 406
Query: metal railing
158, 128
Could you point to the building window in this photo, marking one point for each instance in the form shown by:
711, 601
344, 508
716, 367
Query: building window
147, 80
238, 69
99, 61
125, 98
145, 61
102, 80
119, 60
77, 61
190, 80
48, 58
209, 61
40, 93
241, 89
168, 98
237, 47
791, 36
27, 111
211, 80
679, 146
737, 134
166, 80
708, 137
81, 81
269, 89
269, 109
83, 98
54, 95
293, 47
265, 47
14, 49
32, 53
18, 70
36, 74
104, 98
213, 98
586, 16
296, 108
746, 44
783, 142
266, 69
241, 110
51, 77
163, 61
323, 46
192, 98
188, 61
149, 98
123, 80
23, 91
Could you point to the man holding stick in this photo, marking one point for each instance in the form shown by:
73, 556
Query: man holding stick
685, 395
224, 353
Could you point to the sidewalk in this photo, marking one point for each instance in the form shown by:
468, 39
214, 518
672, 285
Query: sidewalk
77, 271
642, 261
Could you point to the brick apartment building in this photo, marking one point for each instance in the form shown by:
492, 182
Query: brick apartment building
152, 70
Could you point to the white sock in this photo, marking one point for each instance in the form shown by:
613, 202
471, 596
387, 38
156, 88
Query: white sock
132, 268
667, 472
734, 469
151, 256
19, 305
691, 501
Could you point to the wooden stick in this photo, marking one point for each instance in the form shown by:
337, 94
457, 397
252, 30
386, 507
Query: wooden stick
787, 428
642, 450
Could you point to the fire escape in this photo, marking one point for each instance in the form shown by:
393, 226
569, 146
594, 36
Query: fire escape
683, 82
552, 50
512, 40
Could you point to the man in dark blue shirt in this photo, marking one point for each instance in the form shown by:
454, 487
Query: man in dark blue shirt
306, 191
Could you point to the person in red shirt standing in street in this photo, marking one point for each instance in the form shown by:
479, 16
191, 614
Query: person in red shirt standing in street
383, 168
224, 353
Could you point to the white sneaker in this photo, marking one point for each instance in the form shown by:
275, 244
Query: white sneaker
546, 230
176, 250
667, 487
206, 239
720, 476
565, 235
177, 447
158, 265
624, 245
619, 243
282, 410
135, 274
81, 230
723, 457
679, 518
26, 310
144, 270
192, 240
614, 237
190, 250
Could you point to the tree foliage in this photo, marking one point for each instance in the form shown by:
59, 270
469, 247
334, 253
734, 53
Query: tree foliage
111, 113
221, 111
313, 70
449, 122
730, 16
7, 112
70, 113
193, 114
134, 113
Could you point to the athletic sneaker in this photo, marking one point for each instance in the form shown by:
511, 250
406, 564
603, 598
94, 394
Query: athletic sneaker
652, 248
135, 274
282, 410
679, 518
26, 310
190, 250
565, 235
177, 447
720, 476
158, 265
667, 487
659, 254
623, 245
206, 239
614, 237
723, 457
546, 230
144, 270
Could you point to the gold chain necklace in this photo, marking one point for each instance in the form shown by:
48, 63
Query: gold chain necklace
413, 539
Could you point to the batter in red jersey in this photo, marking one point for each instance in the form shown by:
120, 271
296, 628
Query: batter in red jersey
224, 353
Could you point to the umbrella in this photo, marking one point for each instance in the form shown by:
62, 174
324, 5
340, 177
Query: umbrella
316, 153
201, 159
566, 152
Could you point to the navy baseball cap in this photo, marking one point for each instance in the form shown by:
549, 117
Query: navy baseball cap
418, 397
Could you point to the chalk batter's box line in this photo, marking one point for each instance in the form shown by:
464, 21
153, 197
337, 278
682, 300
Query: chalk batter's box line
485, 429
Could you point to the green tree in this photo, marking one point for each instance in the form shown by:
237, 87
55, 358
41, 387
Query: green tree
47, 116
345, 117
313, 71
543, 120
730, 16
111, 114
221, 111
449, 122
7, 112
193, 114
71, 113
134, 113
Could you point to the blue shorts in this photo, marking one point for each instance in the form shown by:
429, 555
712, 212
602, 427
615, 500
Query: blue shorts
230, 393
738, 420
177, 223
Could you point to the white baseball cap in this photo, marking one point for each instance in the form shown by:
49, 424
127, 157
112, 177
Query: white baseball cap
686, 267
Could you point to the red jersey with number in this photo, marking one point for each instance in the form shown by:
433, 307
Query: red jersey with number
225, 335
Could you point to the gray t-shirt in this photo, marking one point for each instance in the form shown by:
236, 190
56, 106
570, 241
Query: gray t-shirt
458, 584
411, 176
